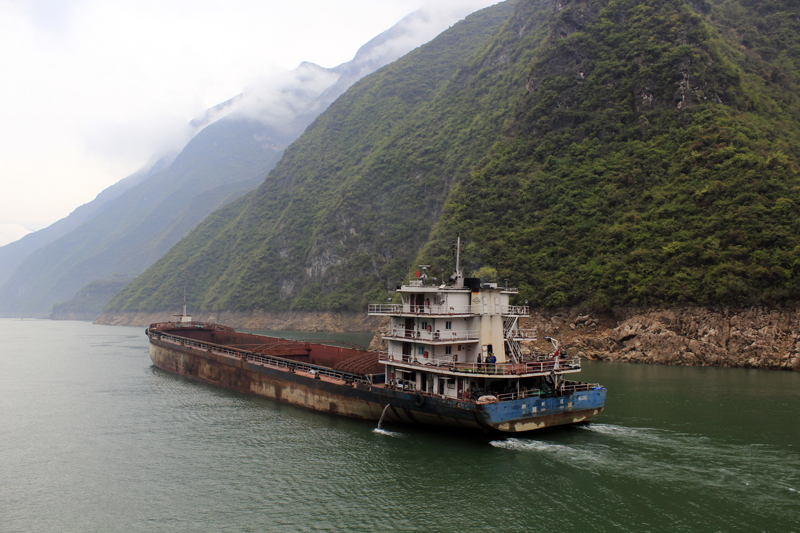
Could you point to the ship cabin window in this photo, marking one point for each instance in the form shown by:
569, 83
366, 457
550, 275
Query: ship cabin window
424, 325
459, 347
448, 325
441, 386
419, 350
448, 350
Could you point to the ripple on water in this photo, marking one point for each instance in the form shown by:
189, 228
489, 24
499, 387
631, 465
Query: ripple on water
755, 474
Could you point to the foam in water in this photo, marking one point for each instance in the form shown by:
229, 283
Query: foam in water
383, 431
560, 451
387, 432
670, 458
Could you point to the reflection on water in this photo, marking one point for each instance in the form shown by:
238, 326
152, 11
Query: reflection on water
96, 439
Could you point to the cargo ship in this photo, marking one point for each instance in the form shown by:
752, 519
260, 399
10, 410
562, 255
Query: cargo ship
453, 358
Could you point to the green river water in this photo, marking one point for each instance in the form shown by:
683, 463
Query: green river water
94, 438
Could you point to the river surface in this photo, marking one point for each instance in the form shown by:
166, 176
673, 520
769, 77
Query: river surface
94, 438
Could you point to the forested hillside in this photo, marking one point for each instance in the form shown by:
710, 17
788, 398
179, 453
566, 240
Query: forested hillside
653, 160
594, 152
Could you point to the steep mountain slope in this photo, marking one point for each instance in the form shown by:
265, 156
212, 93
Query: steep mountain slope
241, 141
595, 152
650, 161
351, 201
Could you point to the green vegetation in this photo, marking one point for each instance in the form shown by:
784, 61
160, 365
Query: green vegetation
90, 300
666, 174
609, 152
339, 219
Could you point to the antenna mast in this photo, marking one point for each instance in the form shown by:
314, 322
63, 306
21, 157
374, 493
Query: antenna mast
457, 278
458, 256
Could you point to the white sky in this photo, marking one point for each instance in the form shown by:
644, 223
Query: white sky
90, 88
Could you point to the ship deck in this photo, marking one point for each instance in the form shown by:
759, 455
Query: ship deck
304, 358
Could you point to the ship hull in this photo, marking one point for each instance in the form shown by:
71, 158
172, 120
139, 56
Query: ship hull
367, 401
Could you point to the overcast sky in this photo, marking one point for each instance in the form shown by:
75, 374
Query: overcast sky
91, 88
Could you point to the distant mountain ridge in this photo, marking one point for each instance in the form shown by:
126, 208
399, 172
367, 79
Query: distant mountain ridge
597, 153
131, 224
13, 254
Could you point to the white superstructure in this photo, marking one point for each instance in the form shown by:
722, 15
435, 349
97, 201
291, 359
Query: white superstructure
453, 340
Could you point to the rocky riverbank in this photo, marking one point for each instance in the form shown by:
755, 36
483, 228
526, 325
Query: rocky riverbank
756, 337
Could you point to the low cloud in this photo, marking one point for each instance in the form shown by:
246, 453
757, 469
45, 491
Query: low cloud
99, 87
278, 98
11, 232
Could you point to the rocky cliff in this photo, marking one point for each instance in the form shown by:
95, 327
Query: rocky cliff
754, 337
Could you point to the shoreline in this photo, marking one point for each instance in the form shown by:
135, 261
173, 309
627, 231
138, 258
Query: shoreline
257, 320
754, 337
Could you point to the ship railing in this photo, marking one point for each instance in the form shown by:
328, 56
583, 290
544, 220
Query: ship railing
517, 310
446, 310
577, 386
189, 325
499, 369
279, 362
527, 393
522, 334
567, 388
434, 336
431, 309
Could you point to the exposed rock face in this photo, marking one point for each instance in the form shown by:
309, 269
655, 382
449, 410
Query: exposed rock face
378, 343
756, 337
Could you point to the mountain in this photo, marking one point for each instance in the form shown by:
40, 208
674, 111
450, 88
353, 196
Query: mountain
277, 247
117, 237
13, 254
597, 153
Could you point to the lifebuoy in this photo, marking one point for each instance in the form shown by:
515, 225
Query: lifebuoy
419, 399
